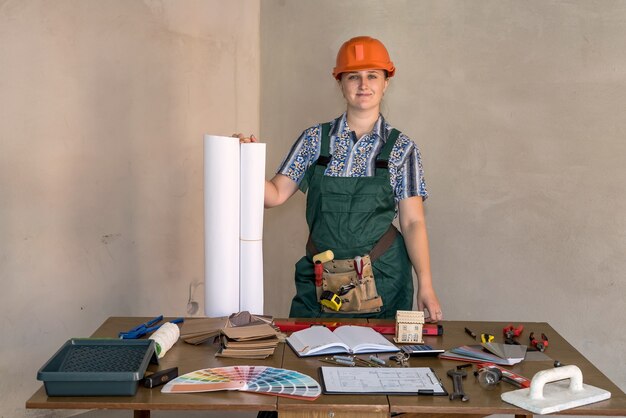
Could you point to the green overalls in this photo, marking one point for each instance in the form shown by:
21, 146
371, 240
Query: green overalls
348, 215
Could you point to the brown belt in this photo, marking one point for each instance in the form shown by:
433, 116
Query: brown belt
381, 246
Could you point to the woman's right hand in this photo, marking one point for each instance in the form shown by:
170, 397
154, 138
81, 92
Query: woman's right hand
245, 139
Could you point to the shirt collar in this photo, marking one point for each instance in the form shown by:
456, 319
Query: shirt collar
340, 127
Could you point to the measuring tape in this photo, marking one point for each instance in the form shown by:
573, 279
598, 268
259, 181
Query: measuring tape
330, 300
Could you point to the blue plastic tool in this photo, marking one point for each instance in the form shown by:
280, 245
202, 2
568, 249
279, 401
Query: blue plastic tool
145, 328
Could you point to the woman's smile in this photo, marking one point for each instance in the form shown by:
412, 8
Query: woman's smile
364, 88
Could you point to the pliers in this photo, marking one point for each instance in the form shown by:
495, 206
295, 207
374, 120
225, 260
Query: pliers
145, 328
358, 267
539, 345
510, 333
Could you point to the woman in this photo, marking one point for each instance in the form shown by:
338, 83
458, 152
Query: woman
359, 173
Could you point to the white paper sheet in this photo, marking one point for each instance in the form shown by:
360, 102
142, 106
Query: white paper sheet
221, 225
393, 380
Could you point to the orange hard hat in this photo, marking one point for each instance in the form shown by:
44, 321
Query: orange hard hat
363, 53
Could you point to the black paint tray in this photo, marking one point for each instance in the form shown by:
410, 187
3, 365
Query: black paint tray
97, 367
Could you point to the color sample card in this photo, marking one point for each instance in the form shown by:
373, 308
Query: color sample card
258, 379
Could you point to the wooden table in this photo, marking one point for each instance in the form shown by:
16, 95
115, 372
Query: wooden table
482, 402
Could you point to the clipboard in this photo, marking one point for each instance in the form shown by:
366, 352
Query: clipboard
380, 381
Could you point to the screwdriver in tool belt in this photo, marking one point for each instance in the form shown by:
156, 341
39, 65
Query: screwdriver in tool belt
318, 265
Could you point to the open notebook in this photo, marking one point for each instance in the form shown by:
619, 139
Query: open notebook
345, 339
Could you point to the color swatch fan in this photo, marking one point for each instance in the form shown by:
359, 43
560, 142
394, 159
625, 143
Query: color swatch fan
258, 379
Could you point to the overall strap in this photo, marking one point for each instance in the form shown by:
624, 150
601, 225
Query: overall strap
324, 157
322, 160
382, 161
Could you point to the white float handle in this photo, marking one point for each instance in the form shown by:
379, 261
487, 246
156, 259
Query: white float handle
539, 380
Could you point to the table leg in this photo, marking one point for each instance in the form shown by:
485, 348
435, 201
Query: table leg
141, 414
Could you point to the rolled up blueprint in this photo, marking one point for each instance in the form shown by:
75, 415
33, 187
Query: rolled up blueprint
221, 225
251, 224
234, 192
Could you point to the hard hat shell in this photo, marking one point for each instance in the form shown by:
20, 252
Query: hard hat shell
363, 53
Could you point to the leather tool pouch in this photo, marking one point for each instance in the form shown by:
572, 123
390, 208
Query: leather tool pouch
357, 295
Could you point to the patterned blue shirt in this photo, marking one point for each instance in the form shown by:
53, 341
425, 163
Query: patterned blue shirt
352, 158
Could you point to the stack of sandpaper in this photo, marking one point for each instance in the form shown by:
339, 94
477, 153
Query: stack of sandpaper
200, 330
249, 341
241, 335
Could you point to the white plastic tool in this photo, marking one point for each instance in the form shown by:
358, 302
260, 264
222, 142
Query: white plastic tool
549, 392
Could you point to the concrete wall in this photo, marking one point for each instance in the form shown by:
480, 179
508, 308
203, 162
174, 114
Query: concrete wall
103, 105
518, 108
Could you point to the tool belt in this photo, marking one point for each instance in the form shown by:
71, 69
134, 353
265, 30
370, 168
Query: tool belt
358, 294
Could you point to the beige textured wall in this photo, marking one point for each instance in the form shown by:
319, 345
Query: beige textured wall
103, 105
518, 108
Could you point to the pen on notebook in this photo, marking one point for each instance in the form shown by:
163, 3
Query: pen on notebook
470, 333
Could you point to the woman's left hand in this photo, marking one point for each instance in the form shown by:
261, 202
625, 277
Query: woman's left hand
427, 300
245, 139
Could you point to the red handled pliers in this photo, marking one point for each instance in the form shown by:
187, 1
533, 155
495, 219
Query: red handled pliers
539, 345
510, 332
358, 267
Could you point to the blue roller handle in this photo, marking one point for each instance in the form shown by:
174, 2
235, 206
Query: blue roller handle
143, 329
173, 321
145, 325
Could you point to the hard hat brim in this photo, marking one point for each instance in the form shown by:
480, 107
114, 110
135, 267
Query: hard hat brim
391, 70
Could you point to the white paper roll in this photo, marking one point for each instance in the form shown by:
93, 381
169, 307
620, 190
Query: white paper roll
251, 275
251, 245
221, 225
252, 191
